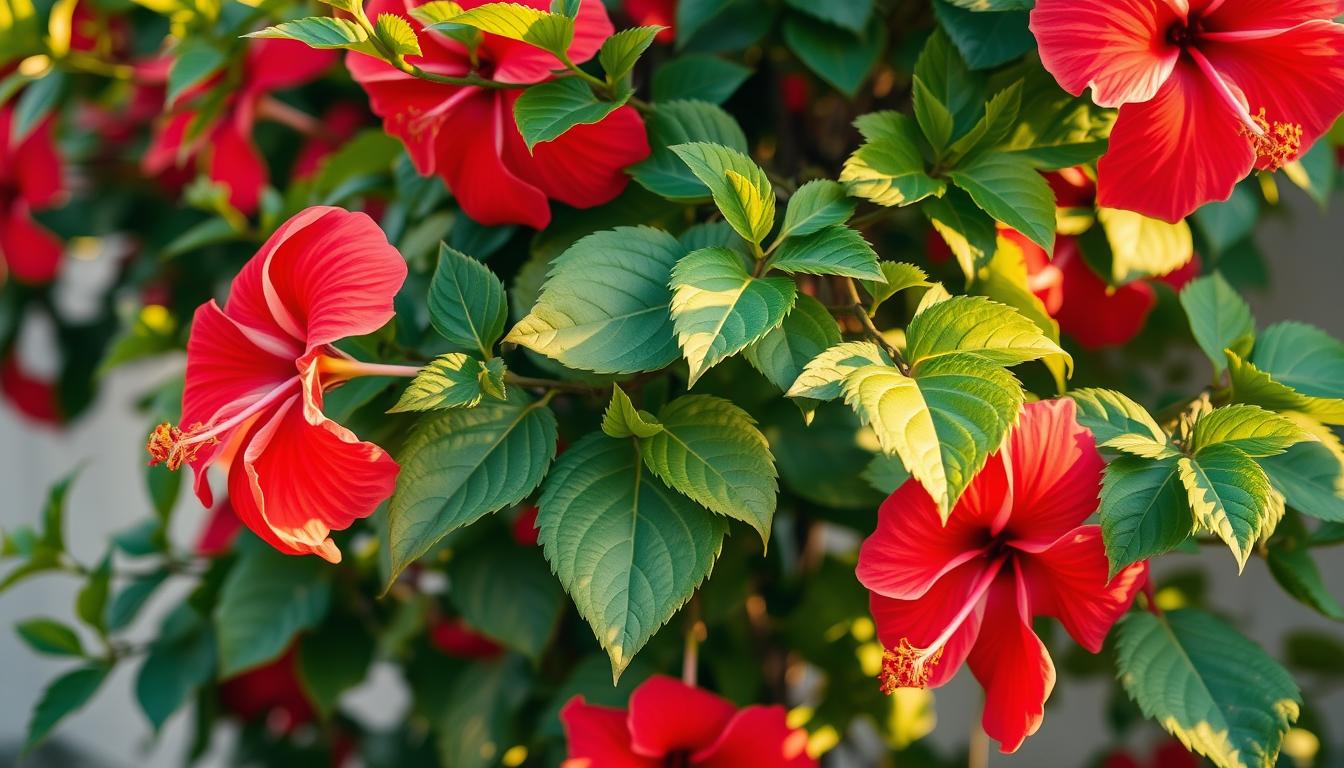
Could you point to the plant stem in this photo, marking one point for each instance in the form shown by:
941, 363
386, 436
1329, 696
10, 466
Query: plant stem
554, 384
977, 753
857, 309
690, 657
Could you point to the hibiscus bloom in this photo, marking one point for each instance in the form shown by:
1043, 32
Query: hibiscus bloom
648, 13
455, 637
225, 145
467, 134
256, 373
31, 176
1207, 89
671, 723
270, 693
1170, 754
1014, 548
34, 397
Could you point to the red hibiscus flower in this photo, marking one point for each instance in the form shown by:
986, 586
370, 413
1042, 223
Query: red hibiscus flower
1014, 548
671, 723
648, 13
31, 175
455, 637
221, 528
257, 370
271, 693
467, 135
225, 144
1170, 754
1207, 89
34, 397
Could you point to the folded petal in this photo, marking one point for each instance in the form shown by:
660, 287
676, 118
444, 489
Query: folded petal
919, 622
586, 165
308, 480
1244, 15
1056, 473
1069, 581
668, 716
598, 738
757, 736
1093, 313
911, 549
1173, 154
30, 253
226, 371
518, 62
1012, 664
1297, 77
236, 163
471, 149
1119, 48
273, 64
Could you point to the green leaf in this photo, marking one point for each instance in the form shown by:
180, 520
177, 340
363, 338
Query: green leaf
1144, 511
53, 514
91, 602
1056, 129
627, 549
435, 11
718, 309
460, 465
132, 597
1009, 189
1142, 247
265, 601
986, 40
970, 233
1000, 117
547, 110
396, 35
1218, 318
195, 62
674, 123
619, 52
1005, 279
568, 8
889, 168
823, 377
852, 14
63, 696
322, 32
721, 25
701, 76
35, 102
1303, 357
449, 381
1310, 475
814, 206
782, 354
943, 71
1315, 171
180, 660
841, 57
1142, 446
479, 708
711, 451
518, 606
50, 637
623, 419
833, 250
1290, 561
1250, 429
550, 32
466, 302
943, 423
605, 306
1207, 685
333, 660
1230, 496
739, 187
976, 326
933, 117
1225, 224
899, 276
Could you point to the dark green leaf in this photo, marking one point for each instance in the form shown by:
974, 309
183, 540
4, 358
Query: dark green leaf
466, 302
267, 599
66, 694
50, 637
518, 606
702, 76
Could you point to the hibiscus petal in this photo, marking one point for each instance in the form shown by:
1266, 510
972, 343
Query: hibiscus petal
757, 736
221, 527
1296, 77
1240, 15
518, 62
471, 150
308, 480
1012, 664
34, 397
920, 622
226, 371
1069, 581
1173, 154
1119, 48
236, 163
403, 101
165, 145
586, 165
598, 738
1056, 473
38, 167
31, 253
273, 64
1093, 313
668, 716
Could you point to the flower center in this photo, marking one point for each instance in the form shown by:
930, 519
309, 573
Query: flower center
1277, 144
911, 666
1182, 33
173, 446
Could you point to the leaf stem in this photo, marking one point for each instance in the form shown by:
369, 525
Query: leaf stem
553, 384
690, 656
857, 309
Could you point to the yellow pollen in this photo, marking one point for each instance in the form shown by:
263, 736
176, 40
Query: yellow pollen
906, 666
1278, 144
173, 447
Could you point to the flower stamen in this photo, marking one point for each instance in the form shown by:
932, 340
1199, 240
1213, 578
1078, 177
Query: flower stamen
1277, 144
173, 447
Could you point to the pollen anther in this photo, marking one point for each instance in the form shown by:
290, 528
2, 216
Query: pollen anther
906, 666
1278, 143
174, 447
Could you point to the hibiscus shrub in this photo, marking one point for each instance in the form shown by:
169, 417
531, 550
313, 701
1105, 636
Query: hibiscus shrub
560, 356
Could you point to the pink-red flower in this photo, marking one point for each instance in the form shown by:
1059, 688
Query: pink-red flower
646, 13
256, 373
671, 723
1207, 89
467, 134
31, 178
1015, 547
34, 397
224, 145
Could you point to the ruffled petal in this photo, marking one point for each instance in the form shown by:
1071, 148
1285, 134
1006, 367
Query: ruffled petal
1173, 154
757, 737
518, 62
598, 738
668, 716
236, 163
586, 165
29, 252
1095, 314
1012, 664
226, 370
919, 622
1244, 15
309, 480
1069, 581
273, 64
1056, 473
1297, 77
1118, 48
